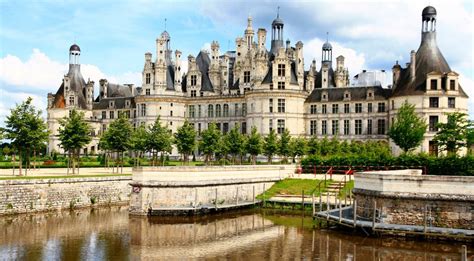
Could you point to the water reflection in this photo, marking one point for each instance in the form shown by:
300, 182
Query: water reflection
110, 234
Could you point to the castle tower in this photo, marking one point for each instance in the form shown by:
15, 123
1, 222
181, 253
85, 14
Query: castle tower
277, 34
177, 71
341, 74
262, 38
214, 74
299, 59
249, 33
326, 65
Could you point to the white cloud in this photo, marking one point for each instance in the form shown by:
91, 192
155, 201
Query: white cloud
354, 60
468, 86
10, 99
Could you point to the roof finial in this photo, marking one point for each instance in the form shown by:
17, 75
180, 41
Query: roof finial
165, 24
278, 12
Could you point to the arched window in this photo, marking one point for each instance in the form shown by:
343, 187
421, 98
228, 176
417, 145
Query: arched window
218, 110
226, 110
210, 111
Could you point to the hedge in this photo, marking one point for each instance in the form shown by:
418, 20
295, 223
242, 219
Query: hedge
446, 165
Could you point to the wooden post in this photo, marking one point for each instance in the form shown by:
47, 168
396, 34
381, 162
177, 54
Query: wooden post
215, 201
340, 211
195, 197
302, 199
237, 197
354, 212
373, 218
312, 204
425, 216
464, 253
253, 194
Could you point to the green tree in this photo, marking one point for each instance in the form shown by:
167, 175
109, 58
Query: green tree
284, 145
408, 129
470, 140
298, 147
254, 144
236, 142
270, 145
117, 138
223, 148
185, 140
209, 142
159, 139
453, 134
74, 134
313, 145
138, 143
26, 130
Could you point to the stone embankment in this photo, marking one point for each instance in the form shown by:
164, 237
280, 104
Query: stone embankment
36, 195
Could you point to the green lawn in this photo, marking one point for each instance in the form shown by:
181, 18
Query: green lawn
64, 176
295, 187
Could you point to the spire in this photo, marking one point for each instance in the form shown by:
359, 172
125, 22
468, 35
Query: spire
165, 24
278, 12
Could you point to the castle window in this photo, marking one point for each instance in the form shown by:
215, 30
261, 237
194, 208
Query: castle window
281, 85
270, 125
210, 111
226, 110
369, 126
312, 127
347, 127
358, 107
324, 127
201, 94
244, 109
434, 84
71, 100
143, 108
104, 114
281, 105
280, 126
171, 113
225, 127
347, 108
433, 148
434, 102
199, 111
452, 85
218, 110
313, 109
335, 127
381, 127
236, 109
369, 107
270, 105
191, 111
335, 108
324, 109
193, 80
271, 86
193, 93
244, 128
381, 106
247, 77
433, 126
358, 127
111, 114
147, 78
451, 102
147, 92
281, 70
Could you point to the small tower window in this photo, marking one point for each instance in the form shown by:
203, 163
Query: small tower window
281, 70
71, 100
434, 84
247, 77
147, 78
193, 80
452, 85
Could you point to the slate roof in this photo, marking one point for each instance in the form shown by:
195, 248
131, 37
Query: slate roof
76, 84
428, 59
203, 61
357, 93
119, 103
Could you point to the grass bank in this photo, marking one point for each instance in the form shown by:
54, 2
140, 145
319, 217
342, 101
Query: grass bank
295, 187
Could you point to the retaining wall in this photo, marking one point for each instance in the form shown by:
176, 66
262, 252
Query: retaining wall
35, 195
407, 197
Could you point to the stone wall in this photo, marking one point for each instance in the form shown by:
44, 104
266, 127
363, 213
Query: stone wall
35, 195
407, 197
177, 189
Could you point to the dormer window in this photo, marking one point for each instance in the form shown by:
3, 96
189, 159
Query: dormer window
71, 100
434, 84
452, 85
247, 77
111, 104
281, 70
193, 80
127, 103
347, 95
324, 96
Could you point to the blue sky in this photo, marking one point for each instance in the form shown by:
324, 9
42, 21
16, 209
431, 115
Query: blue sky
114, 35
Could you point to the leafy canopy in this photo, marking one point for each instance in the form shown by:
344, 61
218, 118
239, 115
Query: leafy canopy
408, 129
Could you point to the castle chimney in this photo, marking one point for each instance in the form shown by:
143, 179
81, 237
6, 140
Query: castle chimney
412, 64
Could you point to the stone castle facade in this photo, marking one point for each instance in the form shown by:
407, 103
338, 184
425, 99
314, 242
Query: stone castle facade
268, 89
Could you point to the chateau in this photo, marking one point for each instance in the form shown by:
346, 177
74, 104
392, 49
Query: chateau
268, 89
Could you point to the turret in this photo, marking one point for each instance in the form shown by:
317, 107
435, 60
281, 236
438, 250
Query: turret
277, 34
103, 88
249, 33
177, 70
262, 36
89, 94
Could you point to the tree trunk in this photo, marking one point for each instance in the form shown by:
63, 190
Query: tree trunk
78, 160
13, 158
121, 169
20, 159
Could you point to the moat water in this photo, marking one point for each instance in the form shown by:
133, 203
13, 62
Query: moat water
111, 234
